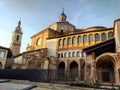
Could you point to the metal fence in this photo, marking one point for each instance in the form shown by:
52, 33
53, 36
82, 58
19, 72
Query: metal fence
38, 75
51, 76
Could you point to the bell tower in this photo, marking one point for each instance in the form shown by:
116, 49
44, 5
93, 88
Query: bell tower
62, 17
16, 39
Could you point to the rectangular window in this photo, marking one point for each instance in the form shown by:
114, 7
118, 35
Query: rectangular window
2, 54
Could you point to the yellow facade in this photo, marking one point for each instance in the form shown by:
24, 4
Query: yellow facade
39, 40
69, 31
82, 34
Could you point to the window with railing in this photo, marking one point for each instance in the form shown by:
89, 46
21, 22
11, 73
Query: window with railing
73, 40
64, 41
110, 35
103, 36
91, 38
97, 37
69, 40
60, 42
85, 38
79, 39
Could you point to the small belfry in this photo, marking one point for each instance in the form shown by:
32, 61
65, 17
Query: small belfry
16, 39
62, 17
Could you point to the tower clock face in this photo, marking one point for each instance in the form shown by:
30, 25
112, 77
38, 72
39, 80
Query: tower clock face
39, 42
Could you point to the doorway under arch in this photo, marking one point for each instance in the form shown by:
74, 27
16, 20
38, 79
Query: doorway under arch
61, 71
73, 70
61, 66
105, 69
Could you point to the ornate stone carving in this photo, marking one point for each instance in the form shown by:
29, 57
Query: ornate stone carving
53, 60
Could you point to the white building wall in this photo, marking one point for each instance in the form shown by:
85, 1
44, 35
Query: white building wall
117, 35
19, 60
51, 47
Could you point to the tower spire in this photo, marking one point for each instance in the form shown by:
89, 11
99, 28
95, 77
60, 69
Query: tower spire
62, 17
19, 23
63, 10
18, 28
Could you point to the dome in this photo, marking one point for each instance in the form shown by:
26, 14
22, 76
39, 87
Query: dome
95, 28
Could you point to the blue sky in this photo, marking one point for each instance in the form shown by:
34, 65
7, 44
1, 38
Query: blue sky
37, 15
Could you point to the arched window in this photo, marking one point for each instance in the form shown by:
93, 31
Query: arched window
69, 54
61, 55
79, 39
65, 55
58, 55
38, 41
97, 37
60, 42
110, 34
17, 38
69, 40
73, 40
91, 38
83, 54
73, 54
103, 36
84, 38
78, 54
64, 41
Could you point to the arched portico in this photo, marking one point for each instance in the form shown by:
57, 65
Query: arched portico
105, 65
73, 72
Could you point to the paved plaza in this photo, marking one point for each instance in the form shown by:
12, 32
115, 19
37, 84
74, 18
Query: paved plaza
26, 85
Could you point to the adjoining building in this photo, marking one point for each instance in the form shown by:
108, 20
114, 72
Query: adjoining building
5, 53
91, 54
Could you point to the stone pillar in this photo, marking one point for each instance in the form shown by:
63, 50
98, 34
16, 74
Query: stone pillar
85, 71
93, 69
116, 73
93, 72
117, 34
79, 69
67, 69
46, 64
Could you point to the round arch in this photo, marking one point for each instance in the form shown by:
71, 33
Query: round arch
61, 66
106, 55
61, 70
105, 65
73, 70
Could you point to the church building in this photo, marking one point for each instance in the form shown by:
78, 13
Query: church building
91, 54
